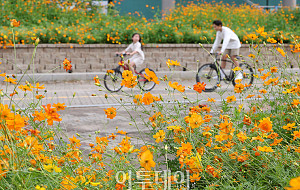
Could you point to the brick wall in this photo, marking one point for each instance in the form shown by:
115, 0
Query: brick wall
100, 57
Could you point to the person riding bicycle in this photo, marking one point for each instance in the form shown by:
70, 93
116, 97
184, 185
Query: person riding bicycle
135, 51
231, 46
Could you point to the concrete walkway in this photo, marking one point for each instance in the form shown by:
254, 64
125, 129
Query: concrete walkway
64, 77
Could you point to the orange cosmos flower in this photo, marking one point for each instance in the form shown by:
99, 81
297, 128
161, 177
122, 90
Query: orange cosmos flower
26, 87
110, 112
261, 69
250, 96
146, 160
194, 120
38, 86
96, 79
67, 64
274, 69
289, 126
120, 186
261, 31
10, 80
206, 134
122, 132
14, 23
69, 182
238, 88
15, 121
75, 142
295, 103
247, 120
112, 136
159, 136
265, 149
276, 142
296, 134
127, 74
252, 36
263, 91
171, 62
251, 55
40, 116
51, 114
265, 125
147, 99
297, 48
265, 76
150, 76
231, 99
294, 183
59, 106
137, 99
242, 136
211, 100
258, 138
271, 40
176, 86
39, 96
195, 177
281, 51
199, 87
185, 149
129, 82
212, 171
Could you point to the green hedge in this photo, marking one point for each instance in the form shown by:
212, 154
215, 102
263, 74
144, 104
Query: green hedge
185, 24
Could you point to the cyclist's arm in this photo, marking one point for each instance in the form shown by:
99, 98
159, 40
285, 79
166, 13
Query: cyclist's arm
137, 49
216, 43
127, 49
134, 52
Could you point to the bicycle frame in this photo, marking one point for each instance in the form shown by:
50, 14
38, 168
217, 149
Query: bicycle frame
219, 68
126, 67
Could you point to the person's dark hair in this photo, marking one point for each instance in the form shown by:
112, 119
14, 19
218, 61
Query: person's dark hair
140, 40
217, 22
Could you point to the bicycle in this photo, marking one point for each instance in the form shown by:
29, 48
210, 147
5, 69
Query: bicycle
209, 73
112, 80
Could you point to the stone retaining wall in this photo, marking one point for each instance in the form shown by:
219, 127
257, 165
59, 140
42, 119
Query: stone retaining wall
100, 57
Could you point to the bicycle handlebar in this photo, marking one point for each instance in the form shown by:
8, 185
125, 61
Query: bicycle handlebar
123, 54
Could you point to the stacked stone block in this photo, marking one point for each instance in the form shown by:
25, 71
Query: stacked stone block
48, 58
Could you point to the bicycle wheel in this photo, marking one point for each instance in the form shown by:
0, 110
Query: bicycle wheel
208, 74
112, 81
247, 73
143, 83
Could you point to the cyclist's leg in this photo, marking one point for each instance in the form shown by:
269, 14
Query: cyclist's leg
233, 56
224, 57
223, 63
138, 63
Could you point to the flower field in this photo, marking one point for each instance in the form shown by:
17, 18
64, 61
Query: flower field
249, 140
185, 24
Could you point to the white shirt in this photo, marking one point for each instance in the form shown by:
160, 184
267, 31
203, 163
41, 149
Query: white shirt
136, 47
230, 40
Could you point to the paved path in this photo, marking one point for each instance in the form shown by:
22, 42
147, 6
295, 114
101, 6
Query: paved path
85, 106
86, 94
